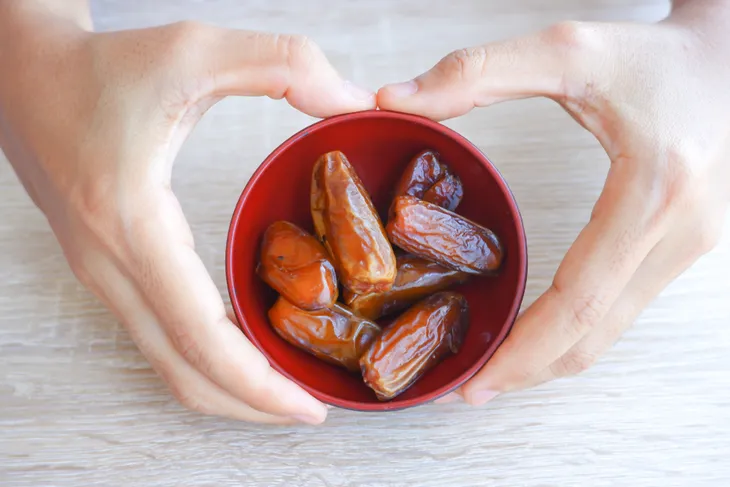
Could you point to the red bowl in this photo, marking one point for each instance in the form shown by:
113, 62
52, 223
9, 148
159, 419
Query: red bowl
379, 144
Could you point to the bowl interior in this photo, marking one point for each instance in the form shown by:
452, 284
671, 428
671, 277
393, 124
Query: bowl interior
379, 145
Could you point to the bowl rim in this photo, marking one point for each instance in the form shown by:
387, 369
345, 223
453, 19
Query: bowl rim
522, 271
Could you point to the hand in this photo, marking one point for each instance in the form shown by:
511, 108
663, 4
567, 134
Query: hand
656, 98
92, 124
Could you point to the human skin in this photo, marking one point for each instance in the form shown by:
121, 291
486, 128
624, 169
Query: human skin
92, 122
656, 97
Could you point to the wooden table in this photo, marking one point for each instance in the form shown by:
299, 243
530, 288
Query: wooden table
79, 406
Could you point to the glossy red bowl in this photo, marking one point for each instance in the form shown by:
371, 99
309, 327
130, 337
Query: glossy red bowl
379, 144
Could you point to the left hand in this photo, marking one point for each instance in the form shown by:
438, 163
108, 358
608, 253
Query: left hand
656, 98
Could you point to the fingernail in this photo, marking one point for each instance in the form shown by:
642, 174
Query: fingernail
479, 398
448, 398
303, 418
402, 90
358, 93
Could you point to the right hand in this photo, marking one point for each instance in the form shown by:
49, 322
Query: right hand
92, 123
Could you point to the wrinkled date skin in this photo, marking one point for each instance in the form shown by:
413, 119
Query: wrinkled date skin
434, 233
416, 279
421, 173
297, 266
419, 339
427, 178
447, 192
335, 335
348, 225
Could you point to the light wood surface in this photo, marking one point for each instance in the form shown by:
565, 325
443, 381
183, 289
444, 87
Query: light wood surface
79, 406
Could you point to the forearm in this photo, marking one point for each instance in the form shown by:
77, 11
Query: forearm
15, 12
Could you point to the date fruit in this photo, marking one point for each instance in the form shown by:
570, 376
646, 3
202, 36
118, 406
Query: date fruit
416, 341
297, 266
446, 192
336, 335
434, 233
427, 178
346, 222
416, 279
421, 173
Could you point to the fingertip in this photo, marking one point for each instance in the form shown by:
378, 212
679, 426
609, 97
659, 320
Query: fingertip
346, 97
479, 397
322, 413
314, 420
352, 98
398, 91
421, 97
448, 398
359, 95
314, 413
480, 382
331, 98
395, 96
286, 398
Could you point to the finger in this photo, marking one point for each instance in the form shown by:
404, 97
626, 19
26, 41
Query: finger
186, 302
593, 274
554, 63
645, 286
449, 398
667, 261
190, 387
245, 63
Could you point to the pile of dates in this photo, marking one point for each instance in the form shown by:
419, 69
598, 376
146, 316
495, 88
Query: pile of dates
436, 249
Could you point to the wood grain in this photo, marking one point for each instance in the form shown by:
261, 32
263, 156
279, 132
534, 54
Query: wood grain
80, 406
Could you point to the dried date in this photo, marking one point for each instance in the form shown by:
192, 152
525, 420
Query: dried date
427, 178
335, 335
434, 233
418, 339
416, 279
346, 222
297, 266
447, 192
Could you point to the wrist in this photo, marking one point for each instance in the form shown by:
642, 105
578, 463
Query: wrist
73, 13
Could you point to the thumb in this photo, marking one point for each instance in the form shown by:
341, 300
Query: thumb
553, 63
226, 62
